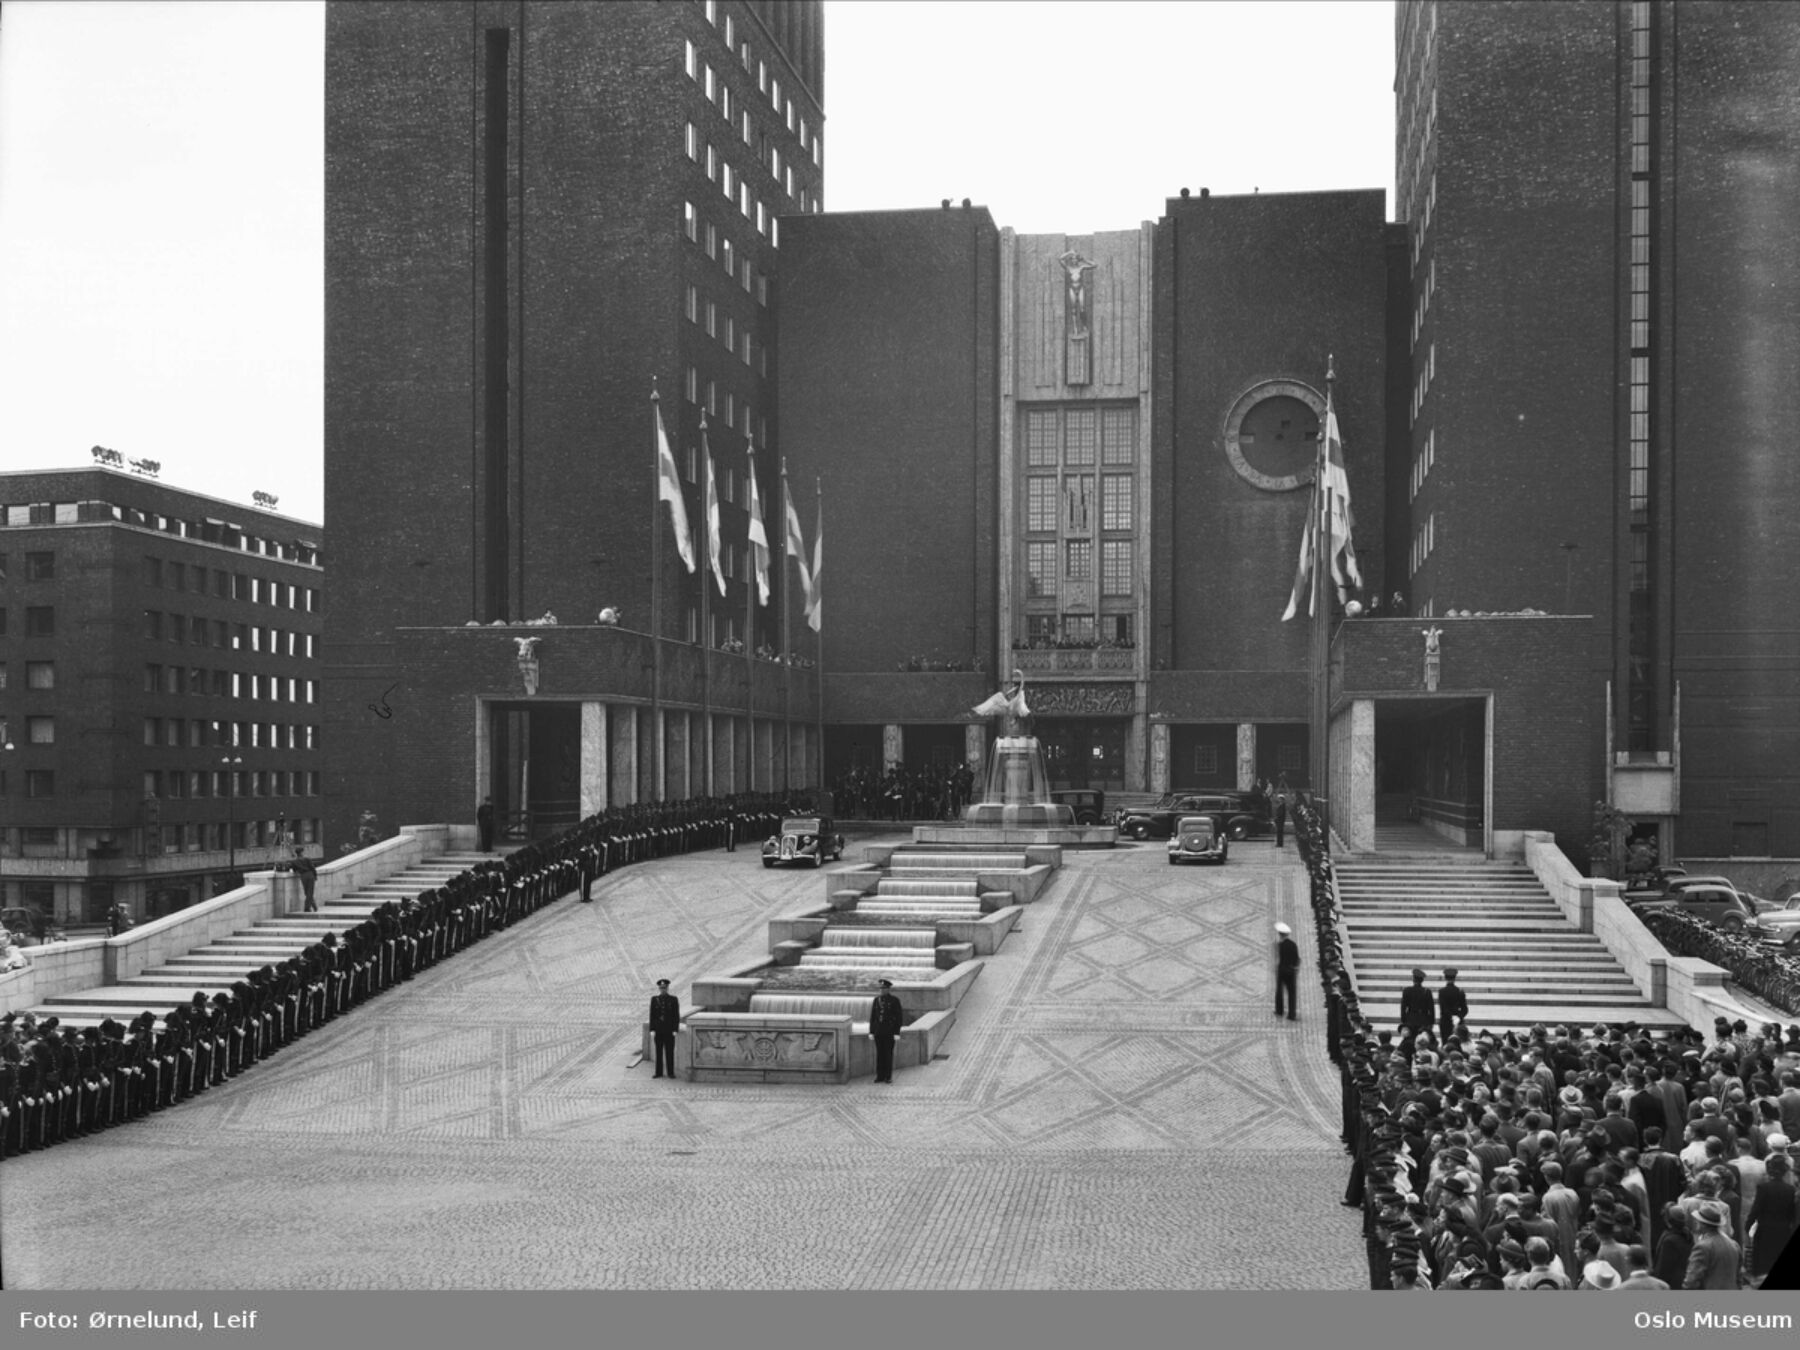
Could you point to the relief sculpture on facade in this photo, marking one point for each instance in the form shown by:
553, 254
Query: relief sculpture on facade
1072, 700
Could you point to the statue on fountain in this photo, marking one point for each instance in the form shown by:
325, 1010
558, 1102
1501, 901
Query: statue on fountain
1018, 788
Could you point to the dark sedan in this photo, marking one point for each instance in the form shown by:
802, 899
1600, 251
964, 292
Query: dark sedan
803, 839
1240, 815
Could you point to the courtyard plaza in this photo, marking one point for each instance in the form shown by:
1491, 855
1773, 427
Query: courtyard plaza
1116, 1108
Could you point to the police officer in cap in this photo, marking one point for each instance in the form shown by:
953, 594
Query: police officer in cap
665, 1021
1287, 972
885, 1016
1452, 1004
1416, 1005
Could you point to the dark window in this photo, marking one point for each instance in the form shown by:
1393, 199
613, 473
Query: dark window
152, 571
40, 783
153, 625
40, 621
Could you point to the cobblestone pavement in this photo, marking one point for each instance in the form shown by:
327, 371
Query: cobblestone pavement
1118, 1109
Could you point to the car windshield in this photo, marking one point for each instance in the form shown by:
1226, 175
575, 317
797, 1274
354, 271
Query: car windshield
1196, 824
801, 825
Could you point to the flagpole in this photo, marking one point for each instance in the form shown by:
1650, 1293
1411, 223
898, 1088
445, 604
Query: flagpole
1321, 634
709, 504
787, 666
819, 646
750, 597
655, 584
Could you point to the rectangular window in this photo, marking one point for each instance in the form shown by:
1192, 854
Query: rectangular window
1083, 433
40, 783
690, 222
153, 625
40, 621
1115, 502
692, 142
40, 567
1040, 502
1118, 435
40, 730
38, 675
1080, 560
153, 571
1040, 569
1115, 567
1206, 759
1040, 628
1040, 439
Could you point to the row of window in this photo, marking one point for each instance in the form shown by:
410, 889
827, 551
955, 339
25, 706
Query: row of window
38, 782
217, 836
207, 530
174, 731
1041, 568
1422, 463
1422, 308
164, 574
1288, 759
1049, 629
728, 412
767, 84
1422, 384
724, 327
38, 567
38, 675
1424, 540
1072, 505
40, 621
199, 784
1424, 219
238, 637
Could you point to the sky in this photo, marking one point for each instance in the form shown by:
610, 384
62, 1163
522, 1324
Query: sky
162, 182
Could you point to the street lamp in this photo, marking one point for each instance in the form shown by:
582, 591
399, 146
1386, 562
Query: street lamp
6, 744
231, 763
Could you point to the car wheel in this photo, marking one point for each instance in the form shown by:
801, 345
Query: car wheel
1732, 923
1239, 830
818, 861
1140, 831
768, 862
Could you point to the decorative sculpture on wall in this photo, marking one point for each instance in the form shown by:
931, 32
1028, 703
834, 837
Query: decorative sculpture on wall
1432, 635
1077, 364
528, 663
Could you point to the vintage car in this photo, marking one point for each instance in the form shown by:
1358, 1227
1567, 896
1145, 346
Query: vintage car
1712, 900
1088, 804
30, 926
803, 839
1198, 839
1780, 922
1242, 815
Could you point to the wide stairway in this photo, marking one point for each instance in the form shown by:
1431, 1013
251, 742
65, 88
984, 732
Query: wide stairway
215, 967
1518, 959
924, 883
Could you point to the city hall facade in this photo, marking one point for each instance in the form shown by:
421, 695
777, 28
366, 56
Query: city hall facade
1083, 456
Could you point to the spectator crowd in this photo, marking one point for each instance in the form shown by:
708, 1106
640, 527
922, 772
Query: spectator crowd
935, 792
59, 1083
1561, 1156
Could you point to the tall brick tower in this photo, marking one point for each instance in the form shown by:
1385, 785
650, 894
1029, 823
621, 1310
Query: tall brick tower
536, 213
1604, 324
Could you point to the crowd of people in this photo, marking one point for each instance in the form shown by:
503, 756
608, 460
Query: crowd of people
935, 792
60, 1083
1596, 1158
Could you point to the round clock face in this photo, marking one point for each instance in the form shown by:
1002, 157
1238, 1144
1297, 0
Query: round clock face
1272, 434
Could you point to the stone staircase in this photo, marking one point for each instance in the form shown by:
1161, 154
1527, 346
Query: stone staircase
1519, 960
218, 965
925, 884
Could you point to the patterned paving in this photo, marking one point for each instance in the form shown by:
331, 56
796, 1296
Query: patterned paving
1117, 1108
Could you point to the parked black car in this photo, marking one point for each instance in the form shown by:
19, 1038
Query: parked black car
803, 839
1089, 804
1241, 815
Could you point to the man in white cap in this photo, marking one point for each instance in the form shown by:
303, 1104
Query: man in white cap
1287, 972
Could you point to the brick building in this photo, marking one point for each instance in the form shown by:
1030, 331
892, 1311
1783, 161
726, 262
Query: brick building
1556, 379
536, 213
158, 690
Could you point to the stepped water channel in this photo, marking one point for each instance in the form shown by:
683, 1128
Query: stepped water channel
924, 916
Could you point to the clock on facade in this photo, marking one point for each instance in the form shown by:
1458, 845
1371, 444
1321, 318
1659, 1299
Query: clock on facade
1271, 434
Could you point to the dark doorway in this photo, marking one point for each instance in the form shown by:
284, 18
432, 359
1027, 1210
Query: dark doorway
536, 775
1083, 752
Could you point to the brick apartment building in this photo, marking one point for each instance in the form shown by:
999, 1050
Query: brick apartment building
1084, 456
158, 690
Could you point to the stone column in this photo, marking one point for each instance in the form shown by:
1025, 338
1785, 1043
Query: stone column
593, 759
659, 763
675, 761
1246, 756
893, 745
624, 757
724, 767
1159, 755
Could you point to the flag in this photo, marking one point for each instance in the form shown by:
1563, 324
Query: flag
668, 489
1331, 485
795, 544
815, 597
759, 537
1341, 519
712, 512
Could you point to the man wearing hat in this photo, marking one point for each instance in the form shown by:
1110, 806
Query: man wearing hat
1713, 1262
1287, 971
1452, 1004
885, 1016
665, 1021
1416, 1004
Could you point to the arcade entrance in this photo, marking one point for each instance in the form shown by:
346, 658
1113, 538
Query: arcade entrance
1431, 766
534, 768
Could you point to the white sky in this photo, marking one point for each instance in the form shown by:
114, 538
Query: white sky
161, 182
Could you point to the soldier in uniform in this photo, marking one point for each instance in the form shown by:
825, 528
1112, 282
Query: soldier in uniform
1452, 1004
665, 1021
885, 1017
1416, 1005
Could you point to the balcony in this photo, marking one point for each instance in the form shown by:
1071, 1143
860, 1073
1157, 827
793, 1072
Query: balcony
1076, 660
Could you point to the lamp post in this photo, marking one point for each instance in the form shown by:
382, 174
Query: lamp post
231, 763
6, 744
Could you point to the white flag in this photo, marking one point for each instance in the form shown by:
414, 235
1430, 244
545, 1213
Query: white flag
668, 489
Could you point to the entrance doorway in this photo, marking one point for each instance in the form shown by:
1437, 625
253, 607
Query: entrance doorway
1431, 766
1083, 752
535, 768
